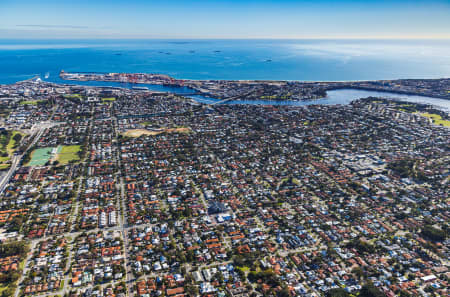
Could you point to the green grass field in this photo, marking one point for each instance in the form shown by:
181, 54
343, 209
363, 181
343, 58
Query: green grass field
437, 119
2, 288
8, 148
68, 153
74, 96
146, 123
31, 102
40, 156
4, 166
112, 99
4, 141
64, 154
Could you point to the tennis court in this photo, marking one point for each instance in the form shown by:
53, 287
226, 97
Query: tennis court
40, 156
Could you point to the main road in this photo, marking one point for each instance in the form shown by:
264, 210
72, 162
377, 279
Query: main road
15, 161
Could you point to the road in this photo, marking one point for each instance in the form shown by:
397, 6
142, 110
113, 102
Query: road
123, 218
233, 98
27, 266
15, 161
12, 169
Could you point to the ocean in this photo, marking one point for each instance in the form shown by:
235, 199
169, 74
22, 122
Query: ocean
305, 60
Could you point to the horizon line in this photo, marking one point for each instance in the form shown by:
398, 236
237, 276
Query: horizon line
233, 38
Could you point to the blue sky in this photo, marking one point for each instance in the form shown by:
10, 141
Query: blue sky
224, 19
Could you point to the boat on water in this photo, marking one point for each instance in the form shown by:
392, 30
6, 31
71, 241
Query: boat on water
47, 75
140, 88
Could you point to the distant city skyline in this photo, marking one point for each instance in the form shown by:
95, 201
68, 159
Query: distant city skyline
282, 19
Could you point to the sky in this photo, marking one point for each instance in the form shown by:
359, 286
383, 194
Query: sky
224, 19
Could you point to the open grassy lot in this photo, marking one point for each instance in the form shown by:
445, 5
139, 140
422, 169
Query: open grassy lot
140, 132
4, 166
68, 153
7, 146
3, 288
112, 99
437, 119
40, 156
4, 141
10, 147
79, 96
31, 102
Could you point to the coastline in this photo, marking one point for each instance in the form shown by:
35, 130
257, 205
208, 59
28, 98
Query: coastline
321, 86
336, 96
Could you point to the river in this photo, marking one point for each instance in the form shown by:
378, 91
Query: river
341, 96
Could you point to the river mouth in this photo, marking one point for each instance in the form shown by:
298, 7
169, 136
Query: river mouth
334, 97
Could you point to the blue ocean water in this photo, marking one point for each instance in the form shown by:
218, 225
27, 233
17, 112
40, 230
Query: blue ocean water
306, 60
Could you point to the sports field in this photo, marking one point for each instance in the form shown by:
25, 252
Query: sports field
437, 119
40, 156
68, 153
105, 100
31, 102
140, 132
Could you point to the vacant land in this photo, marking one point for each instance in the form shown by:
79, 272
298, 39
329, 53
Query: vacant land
108, 99
146, 123
40, 156
68, 153
437, 119
140, 132
31, 102
79, 96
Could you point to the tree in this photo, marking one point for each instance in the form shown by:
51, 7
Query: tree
362, 247
219, 277
284, 293
8, 292
404, 294
192, 290
17, 138
358, 272
339, 292
434, 233
14, 248
369, 290
241, 273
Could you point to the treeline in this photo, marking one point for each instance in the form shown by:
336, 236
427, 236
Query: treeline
406, 168
27, 157
8, 279
5, 136
17, 248
363, 247
434, 233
